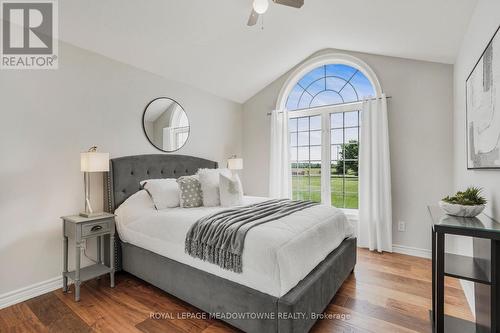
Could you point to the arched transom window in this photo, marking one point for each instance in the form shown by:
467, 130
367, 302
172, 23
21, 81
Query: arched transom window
331, 84
324, 97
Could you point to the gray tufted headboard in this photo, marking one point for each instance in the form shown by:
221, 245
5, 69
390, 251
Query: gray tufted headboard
125, 173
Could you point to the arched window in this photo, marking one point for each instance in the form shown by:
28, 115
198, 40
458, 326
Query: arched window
330, 84
324, 96
179, 126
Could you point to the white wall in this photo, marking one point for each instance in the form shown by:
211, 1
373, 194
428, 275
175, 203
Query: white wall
483, 24
49, 117
420, 125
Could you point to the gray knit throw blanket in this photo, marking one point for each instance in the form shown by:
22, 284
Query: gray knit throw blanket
219, 238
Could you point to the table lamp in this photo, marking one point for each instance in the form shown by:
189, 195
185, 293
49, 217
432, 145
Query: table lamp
234, 163
92, 161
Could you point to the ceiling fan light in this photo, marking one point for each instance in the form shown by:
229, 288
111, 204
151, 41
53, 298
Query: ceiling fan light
260, 6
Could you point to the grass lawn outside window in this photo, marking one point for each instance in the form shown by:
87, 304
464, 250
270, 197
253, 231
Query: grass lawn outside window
309, 188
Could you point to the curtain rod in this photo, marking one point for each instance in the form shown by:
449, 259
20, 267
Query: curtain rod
363, 100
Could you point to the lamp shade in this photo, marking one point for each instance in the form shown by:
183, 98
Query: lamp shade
94, 162
235, 163
260, 6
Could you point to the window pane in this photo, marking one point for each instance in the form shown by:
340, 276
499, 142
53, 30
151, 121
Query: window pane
351, 151
315, 176
349, 94
306, 171
293, 154
316, 87
335, 83
351, 135
337, 199
303, 154
303, 139
293, 98
292, 125
327, 97
316, 153
336, 153
305, 101
337, 169
351, 119
304, 195
315, 137
337, 120
293, 139
299, 186
313, 75
337, 136
351, 168
343, 71
351, 185
315, 123
300, 170
362, 86
315, 196
351, 201
337, 184
344, 155
328, 85
303, 124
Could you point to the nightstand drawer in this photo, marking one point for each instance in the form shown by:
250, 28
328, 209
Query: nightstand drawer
95, 228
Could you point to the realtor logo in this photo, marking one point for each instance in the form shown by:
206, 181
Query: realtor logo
29, 35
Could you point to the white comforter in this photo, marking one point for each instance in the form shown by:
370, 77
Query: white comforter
277, 255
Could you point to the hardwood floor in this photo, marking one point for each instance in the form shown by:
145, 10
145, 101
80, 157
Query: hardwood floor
386, 293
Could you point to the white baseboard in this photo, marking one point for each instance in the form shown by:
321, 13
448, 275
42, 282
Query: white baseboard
412, 251
28, 292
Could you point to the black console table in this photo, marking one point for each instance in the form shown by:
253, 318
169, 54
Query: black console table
483, 270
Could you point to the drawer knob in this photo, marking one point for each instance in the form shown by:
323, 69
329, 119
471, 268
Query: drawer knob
96, 228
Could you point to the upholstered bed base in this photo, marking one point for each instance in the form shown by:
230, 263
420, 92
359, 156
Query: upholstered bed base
209, 292
216, 295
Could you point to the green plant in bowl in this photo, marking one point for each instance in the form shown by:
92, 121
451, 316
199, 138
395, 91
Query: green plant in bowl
468, 203
470, 197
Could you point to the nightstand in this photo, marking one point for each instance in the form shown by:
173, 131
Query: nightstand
83, 228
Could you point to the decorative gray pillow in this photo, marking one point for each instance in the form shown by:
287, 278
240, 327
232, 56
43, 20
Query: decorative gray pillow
231, 191
190, 191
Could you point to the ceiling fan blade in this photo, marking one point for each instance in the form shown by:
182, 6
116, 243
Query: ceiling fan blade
254, 17
290, 3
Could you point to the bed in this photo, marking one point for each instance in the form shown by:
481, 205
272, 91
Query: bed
281, 283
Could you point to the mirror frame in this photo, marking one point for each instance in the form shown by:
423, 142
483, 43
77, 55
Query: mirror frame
144, 128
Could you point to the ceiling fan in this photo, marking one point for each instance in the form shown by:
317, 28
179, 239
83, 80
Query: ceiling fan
261, 6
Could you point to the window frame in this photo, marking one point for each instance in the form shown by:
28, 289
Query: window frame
327, 58
324, 112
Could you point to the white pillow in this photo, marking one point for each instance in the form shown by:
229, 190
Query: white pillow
209, 179
133, 208
231, 191
164, 192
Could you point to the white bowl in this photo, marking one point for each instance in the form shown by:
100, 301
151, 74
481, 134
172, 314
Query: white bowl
461, 210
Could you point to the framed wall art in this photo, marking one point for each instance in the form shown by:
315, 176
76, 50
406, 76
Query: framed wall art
483, 109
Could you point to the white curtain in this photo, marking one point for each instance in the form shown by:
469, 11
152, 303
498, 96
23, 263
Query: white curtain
280, 172
375, 206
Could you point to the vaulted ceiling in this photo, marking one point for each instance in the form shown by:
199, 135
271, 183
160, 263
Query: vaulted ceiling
206, 43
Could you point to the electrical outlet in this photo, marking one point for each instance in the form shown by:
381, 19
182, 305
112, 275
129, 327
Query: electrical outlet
402, 226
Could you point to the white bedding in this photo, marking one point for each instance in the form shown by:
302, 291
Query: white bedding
277, 255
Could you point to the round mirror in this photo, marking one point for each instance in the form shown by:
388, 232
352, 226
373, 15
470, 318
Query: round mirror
165, 124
